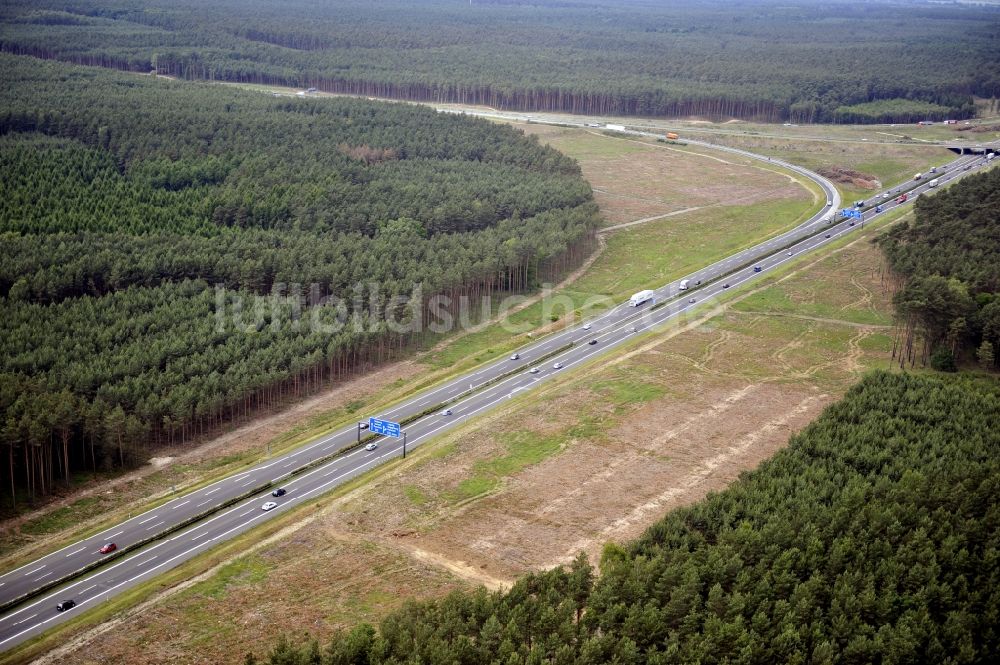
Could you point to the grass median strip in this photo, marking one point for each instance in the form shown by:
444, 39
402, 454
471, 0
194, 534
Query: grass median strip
160, 535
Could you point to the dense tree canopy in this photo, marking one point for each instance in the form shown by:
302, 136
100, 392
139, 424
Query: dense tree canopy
871, 539
177, 255
948, 259
805, 61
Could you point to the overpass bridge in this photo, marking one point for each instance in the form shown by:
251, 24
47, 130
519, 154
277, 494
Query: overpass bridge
963, 148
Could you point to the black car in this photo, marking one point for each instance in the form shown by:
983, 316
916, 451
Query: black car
592, 342
278, 492
65, 605
725, 286
827, 235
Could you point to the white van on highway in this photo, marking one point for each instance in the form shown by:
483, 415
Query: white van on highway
933, 183
684, 284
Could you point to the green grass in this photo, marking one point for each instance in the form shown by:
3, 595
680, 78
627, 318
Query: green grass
471, 488
775, 299
628, 390
652, 254
800, 343
584, 145
890, 171
524, 448
415, 495
442, 451
61, 518
642, 257
879, 343
241, 571
244, 571
891, 163
588, 427
369, 602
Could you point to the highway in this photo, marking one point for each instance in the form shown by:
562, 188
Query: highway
481, 389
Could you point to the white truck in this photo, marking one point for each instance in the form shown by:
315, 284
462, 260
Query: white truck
616, 128
641, 297
684, 284
933, 183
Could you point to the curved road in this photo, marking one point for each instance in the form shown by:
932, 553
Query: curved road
479, 390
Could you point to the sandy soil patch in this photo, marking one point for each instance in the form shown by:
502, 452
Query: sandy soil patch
314, 581
178, 466
635, 179
615, 446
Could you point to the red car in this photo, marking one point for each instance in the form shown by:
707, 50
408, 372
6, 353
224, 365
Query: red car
108, 548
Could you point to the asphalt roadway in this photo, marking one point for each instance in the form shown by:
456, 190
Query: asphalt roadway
479, 390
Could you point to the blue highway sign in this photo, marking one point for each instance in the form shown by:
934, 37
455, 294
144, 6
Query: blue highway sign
384, 427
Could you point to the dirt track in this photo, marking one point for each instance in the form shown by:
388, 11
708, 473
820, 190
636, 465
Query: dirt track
679, 416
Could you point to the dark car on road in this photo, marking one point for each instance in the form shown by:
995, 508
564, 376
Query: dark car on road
65, 605
278, 492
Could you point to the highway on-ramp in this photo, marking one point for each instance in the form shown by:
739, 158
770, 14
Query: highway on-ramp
480, 389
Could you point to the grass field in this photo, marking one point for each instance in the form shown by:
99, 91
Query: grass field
889, 164
635, 179
637, 257
597, 456
658, 251
980, 130
479, 505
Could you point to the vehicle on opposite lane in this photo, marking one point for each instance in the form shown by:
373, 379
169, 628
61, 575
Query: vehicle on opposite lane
559, 365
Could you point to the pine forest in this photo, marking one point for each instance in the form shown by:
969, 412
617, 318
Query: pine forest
763, 60
872, 538
177, 257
